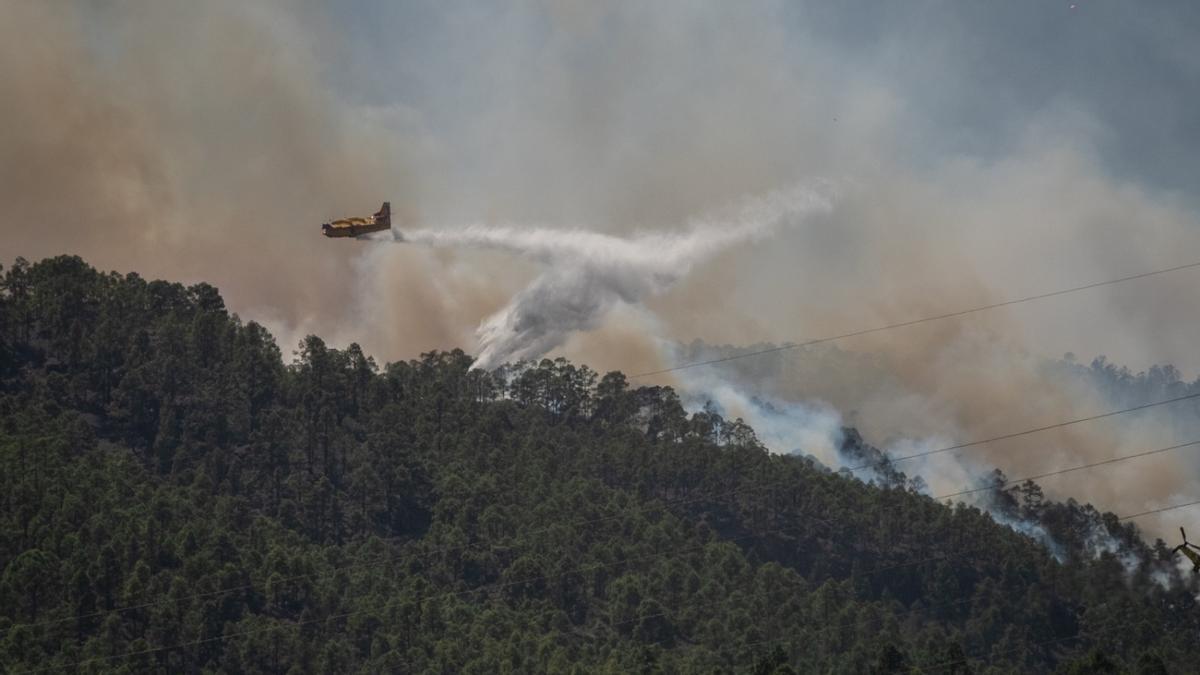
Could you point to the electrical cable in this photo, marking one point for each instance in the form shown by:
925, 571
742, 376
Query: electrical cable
913, 322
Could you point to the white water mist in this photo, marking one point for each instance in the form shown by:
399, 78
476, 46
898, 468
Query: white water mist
587, 273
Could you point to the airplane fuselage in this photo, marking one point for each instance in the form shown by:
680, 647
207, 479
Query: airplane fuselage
351, 230
354, 227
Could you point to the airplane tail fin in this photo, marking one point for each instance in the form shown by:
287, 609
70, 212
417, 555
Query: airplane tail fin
384, 215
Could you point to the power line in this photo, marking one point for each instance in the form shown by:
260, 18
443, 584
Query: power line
1153, 511
1058, 472
385, 559
1089, 465
766, 351
914, 322
1026, 432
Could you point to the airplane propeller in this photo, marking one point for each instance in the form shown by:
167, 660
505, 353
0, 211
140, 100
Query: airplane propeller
1186, 543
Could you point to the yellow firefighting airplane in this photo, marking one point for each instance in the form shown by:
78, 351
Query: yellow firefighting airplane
353, 227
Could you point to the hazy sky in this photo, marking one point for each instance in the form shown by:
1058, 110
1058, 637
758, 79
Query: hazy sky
984, 150
207, 141
968, 75
980, 151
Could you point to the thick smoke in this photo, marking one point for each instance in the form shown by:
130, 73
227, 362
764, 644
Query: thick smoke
812, 392
997, 150
196, 143
586, 273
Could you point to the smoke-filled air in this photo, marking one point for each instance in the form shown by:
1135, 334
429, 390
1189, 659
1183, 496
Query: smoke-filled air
616, 183
774, 336
584, 274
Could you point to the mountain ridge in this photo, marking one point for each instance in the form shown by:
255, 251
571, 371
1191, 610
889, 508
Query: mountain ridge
180, 499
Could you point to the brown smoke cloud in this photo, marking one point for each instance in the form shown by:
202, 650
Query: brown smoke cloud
206, 141
1043, 219
196, 143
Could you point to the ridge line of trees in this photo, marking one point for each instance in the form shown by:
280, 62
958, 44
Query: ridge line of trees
153, 445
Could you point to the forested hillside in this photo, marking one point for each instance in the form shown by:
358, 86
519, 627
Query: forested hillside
175, 498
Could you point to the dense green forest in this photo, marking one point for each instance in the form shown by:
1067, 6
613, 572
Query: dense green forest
177, 498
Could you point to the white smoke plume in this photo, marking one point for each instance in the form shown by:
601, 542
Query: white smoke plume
202, 139
814, 428
585, 274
